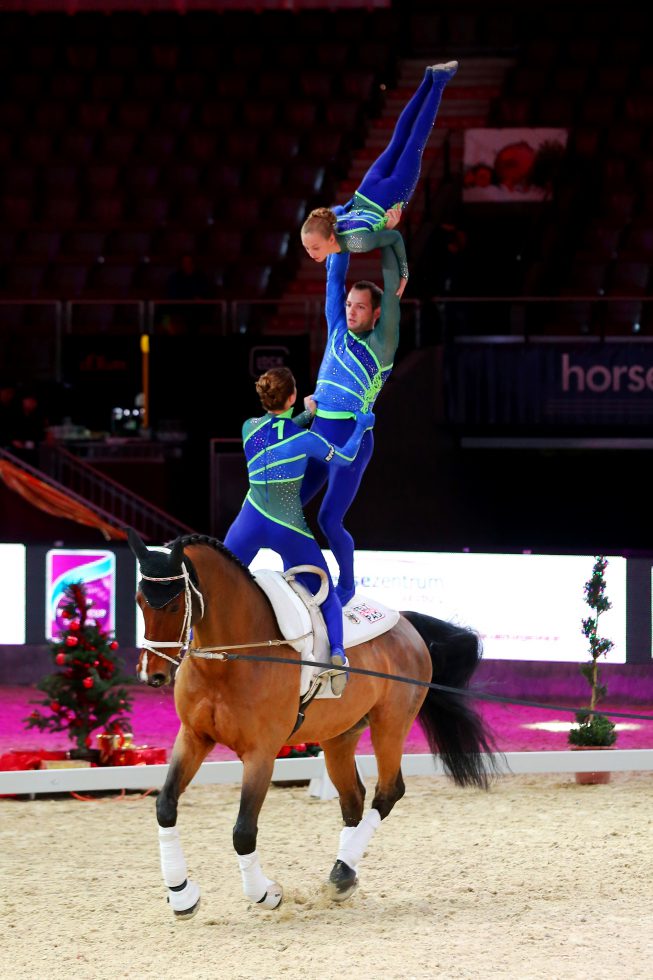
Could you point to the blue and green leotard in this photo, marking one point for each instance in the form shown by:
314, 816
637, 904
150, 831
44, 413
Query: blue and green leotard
278, 451
353, 370
392, 178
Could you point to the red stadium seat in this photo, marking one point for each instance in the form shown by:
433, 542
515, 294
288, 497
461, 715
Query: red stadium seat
225, 244
134, 115
129, 242
40, 244
586, 279
60, 212
67, 86
66, 280
629, 278
247, 281
25, 279
101, 178
151, 210
175, 242
83, 244
111, 280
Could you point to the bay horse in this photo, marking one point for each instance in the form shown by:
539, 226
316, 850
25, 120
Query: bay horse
251, 706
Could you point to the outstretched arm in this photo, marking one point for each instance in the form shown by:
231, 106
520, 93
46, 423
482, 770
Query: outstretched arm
368, 240
336, 291
385, 336
328, 453
303, 420
347, 453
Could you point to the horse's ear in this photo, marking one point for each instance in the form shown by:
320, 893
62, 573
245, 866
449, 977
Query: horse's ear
177, 553
136, 545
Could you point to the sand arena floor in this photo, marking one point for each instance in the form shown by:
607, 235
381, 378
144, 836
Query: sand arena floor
539, 878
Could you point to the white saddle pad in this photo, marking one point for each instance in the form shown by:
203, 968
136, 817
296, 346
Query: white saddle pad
363, 620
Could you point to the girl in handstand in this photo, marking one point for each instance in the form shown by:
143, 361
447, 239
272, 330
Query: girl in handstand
367, 221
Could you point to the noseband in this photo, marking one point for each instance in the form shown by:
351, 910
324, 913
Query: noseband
182, 644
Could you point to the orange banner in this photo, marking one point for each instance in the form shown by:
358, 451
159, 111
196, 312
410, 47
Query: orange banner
54, 502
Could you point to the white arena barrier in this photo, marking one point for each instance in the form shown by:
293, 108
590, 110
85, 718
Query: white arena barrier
32, 782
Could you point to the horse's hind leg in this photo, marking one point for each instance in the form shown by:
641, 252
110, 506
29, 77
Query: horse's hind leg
388, 740
187, 756
341, 766
388, 737
257, 773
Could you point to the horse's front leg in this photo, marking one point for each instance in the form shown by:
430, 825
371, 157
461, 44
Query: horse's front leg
187, 756
257, 773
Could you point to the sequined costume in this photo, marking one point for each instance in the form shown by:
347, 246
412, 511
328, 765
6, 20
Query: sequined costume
277, 451
353, 370
393, 176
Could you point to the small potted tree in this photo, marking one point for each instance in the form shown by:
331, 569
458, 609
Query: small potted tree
594, 730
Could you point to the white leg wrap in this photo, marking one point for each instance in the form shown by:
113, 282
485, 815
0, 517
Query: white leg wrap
354, 840
186, 898
173, 862
255, 884
175, 871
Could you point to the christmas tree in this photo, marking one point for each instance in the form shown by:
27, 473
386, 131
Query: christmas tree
87, 692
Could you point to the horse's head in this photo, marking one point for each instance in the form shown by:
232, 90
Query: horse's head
166, 591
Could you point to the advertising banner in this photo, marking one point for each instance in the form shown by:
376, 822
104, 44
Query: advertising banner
561, 383
525, 607
12, 593
96, 570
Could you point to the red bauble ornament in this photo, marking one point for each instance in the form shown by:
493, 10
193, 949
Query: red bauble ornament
60, 658
55, 706
87, 682
113, 645
74, 625
72, 641
96, 663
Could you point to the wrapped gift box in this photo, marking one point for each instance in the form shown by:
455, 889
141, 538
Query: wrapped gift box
138, 755
16, 760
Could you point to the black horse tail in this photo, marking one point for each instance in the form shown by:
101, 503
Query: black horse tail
454, 729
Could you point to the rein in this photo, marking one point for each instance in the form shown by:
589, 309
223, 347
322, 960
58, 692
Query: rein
472, 693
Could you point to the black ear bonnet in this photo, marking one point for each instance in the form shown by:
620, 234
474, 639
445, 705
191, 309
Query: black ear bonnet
160, 564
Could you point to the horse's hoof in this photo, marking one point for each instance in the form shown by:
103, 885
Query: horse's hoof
343, 882
185, 899
189, 913
272, 898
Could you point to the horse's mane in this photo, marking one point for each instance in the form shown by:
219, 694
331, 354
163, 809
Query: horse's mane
215, 543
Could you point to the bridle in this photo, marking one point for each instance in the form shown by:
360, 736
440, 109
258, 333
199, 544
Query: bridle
182, 644
216, 652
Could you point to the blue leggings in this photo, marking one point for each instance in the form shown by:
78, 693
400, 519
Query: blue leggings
343, 485
393, 176
252, 531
